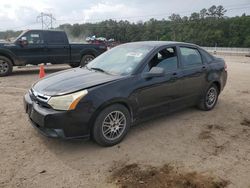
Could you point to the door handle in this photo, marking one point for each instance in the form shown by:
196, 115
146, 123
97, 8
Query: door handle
203, 69
174, 76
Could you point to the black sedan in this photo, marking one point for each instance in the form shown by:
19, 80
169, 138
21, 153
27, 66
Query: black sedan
129, 83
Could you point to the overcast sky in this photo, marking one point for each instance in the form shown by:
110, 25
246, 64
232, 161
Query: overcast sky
21, 14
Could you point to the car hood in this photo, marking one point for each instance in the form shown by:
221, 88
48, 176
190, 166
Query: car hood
3, 44
6, 44
71, 80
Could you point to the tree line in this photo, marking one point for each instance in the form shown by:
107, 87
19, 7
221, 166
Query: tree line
209, 27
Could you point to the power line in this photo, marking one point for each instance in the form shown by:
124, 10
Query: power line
242, 6
125, 18
19, 27
47, 20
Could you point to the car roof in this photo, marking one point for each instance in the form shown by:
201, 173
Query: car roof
160, 43
43, 30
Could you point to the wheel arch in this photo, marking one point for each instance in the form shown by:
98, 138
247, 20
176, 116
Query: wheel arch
92, 52
6, 55
215, 78
218, 85
109, 103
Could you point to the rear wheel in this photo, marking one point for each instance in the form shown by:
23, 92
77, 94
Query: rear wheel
111, 125
6, 66
86, 59
210, 98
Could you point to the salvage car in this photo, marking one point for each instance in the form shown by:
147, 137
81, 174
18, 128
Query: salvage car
123, 86
45, 46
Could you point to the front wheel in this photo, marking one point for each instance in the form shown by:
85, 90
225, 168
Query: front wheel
111, 125
210, 98
6, 66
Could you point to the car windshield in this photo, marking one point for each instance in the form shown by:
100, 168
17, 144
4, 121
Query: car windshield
121, 60
19, 36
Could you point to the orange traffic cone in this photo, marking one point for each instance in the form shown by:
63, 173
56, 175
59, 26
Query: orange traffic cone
41, 71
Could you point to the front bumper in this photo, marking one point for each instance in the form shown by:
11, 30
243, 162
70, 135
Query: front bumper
57, 124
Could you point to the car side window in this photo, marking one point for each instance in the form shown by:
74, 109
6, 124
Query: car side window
208, 57
56, 37
190, 57
33, 38
166, 59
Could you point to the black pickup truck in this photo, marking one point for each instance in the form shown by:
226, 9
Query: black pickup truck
45, 46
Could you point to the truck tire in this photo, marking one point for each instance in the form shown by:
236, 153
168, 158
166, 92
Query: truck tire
6, 66
86, 59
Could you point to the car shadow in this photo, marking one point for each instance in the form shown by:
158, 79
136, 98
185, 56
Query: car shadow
78, 145
155, 123
150, 135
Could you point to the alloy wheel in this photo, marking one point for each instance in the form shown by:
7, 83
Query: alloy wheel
4, 67
87, 60
113, 125
211, 97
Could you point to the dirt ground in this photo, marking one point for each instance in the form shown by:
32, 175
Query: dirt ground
190, 148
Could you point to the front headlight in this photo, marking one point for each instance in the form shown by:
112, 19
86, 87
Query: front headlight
67, 102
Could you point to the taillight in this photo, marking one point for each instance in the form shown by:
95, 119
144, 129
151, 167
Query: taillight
225, 67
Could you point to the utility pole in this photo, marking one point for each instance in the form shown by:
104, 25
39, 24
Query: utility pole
46, 20
42, 19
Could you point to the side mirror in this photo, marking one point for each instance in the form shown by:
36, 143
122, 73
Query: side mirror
154, 72
23, 41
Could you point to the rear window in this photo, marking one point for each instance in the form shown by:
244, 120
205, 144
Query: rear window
56, 38
206, 56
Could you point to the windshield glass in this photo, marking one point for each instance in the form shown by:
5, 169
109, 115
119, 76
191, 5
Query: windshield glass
121, 60
19, 36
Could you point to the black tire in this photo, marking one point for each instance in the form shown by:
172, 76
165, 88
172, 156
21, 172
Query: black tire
74, 65
104, 127
86, 59
6, 66
209, 99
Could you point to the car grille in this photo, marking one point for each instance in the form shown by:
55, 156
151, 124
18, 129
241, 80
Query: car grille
40, 99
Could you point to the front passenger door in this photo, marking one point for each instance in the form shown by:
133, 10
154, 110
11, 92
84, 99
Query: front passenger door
158, 93
32, 52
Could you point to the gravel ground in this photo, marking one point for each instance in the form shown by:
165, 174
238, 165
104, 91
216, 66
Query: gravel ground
214, 144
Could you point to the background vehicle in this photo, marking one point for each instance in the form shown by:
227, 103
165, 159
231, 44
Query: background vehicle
45, 46
126, 84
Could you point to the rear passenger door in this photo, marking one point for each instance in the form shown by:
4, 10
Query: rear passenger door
194, 73
57, 50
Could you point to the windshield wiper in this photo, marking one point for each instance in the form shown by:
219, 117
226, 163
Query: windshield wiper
98, 69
